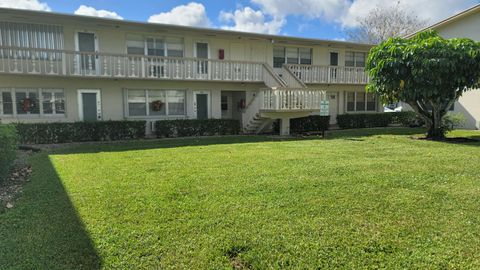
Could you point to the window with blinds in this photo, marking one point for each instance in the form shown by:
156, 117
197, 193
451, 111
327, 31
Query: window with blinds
26, 35
30, 36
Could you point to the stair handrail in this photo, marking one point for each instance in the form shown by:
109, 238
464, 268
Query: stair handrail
273, 75
293, 78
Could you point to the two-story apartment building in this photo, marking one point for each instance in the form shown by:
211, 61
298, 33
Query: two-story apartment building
58, 67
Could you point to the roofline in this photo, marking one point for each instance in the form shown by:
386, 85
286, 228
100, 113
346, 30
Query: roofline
179, 27
448, 20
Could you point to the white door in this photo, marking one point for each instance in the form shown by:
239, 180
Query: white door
333, 107
87, 48
89, 105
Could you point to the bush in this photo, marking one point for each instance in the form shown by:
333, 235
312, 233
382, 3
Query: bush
313, 123
364, 120
195, 127
39, 133
453, 120
8, 147
407, 119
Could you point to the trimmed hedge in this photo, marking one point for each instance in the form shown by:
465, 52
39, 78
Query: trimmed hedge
195, 127
364, 120
368, 120
41, 133
313, 123
8, 147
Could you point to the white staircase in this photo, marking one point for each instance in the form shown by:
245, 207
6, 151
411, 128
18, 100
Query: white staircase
287, 97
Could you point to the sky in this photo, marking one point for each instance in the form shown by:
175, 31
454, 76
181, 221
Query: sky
323, 19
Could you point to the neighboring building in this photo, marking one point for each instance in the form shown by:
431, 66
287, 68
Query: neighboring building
57, 67
464, 25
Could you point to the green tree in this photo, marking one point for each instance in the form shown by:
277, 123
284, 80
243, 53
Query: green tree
427, 72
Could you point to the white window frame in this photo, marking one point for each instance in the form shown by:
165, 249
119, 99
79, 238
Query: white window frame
355, 103
53, 91
147, 104
298, 54
41, 114
355, 59
165, 44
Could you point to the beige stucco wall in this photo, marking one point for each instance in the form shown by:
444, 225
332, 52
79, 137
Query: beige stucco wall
112, 94
469, 103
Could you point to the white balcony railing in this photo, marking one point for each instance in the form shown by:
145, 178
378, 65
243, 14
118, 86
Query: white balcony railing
291, 100
329, 74
106, 65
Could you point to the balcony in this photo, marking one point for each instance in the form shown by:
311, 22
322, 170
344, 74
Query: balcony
290, 100
122, 66
311, 74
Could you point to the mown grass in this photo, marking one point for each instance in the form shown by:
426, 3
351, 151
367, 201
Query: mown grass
360, 199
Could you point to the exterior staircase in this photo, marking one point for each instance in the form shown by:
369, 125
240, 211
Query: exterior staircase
286, 97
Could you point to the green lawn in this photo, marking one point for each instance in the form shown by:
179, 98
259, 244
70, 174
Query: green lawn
360, 199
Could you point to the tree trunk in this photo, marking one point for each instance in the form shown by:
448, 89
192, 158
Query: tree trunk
436, 130
433, 120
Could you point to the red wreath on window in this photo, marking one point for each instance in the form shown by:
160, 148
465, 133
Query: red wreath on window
157, 105
26, 105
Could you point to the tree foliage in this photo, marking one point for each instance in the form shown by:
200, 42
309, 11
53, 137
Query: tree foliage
384, 22
427, 71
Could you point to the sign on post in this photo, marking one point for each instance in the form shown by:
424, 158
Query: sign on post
324, 108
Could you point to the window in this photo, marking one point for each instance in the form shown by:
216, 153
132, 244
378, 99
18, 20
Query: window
27, 35
174, 47
32, 101
291, 55
156, 102
163, 46
53, 101
137, 103
305, 56
224, 103
355, 59
27, 101
351, 101
155, 47
6, 102
278, 56
361, 102
135, 44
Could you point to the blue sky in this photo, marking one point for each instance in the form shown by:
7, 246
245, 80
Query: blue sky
325, 19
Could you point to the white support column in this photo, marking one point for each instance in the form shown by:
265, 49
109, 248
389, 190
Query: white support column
285, 126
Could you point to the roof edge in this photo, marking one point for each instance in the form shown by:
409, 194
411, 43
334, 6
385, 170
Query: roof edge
448, 20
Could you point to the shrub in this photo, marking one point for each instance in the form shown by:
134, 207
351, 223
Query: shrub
195, 127
407, 119
453, 120
8, 147
40, 133
364, 120
311, 123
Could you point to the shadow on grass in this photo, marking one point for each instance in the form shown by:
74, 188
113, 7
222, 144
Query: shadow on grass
43, 230
96, 147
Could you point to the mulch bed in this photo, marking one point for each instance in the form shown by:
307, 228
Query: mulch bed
451, 140
11, 188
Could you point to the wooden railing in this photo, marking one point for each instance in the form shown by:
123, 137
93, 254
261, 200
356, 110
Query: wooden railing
329, 74
106, 65
290, 99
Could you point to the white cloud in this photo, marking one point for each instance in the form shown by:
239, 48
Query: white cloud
249, 20
90, 11
25, 4
428, 10
345, 12
192, 14
313, 9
